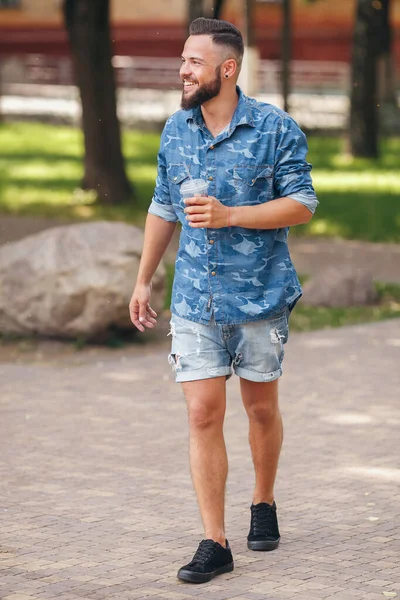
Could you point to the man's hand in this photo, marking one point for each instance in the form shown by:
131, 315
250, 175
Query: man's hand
206, 211
142, 315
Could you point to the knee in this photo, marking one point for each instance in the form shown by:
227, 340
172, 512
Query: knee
262, 412
203, 416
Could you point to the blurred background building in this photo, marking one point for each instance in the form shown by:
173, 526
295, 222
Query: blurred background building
148, 39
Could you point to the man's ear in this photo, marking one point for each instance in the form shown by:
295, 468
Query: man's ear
229, 68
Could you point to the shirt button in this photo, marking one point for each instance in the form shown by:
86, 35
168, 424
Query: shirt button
211, 147
213, 273
211, 241
210, 178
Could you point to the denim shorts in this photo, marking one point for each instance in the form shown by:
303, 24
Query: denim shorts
253, 350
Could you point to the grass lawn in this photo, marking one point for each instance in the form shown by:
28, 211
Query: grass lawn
307, 318
41, 167
359, 198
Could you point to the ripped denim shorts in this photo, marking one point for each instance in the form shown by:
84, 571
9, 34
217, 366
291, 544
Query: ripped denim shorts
253, 350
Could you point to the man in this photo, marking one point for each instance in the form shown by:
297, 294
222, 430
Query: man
234, 283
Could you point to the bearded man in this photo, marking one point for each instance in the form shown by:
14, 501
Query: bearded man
234, 284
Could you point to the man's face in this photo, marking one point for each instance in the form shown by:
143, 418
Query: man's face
200, 71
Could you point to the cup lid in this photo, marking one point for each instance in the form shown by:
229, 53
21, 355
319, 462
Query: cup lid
194, 184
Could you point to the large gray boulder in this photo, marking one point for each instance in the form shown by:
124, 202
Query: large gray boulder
72, 281
344, 286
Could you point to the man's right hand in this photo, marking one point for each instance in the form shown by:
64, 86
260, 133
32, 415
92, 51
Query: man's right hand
141, 313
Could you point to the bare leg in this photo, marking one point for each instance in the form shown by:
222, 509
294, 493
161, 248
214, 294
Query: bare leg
206, 402
265, 434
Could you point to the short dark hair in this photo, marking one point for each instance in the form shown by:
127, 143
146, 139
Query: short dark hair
222, 33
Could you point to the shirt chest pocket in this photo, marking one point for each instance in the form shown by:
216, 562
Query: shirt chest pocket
176, 174
253, 184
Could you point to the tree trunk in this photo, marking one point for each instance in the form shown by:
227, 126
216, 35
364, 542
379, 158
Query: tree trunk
218, 6
286, 51
211, 9
387, 94
1, 81
87, 23
195, 9
364, 95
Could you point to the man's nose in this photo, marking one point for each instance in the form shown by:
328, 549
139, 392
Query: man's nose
184, 70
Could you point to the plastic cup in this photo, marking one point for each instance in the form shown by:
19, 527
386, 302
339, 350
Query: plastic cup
194, 186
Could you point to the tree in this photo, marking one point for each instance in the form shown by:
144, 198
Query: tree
218, 6
286, 36
199, 8
367, 42
195, 9
371, 74
387, 93
88, 26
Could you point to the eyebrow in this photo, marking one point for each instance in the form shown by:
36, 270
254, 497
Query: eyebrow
193, 58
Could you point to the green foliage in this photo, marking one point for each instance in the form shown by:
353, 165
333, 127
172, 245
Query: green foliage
307, 318
41, 168
359, 198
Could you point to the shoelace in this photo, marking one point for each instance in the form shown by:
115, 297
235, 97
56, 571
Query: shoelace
204, 551
262, 516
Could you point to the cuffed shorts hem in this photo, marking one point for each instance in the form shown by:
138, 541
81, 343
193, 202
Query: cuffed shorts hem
257, 377
210, 373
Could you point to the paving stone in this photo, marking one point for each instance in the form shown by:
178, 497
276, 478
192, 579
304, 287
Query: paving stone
102, 504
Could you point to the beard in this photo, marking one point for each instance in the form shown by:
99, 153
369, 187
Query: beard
204, 93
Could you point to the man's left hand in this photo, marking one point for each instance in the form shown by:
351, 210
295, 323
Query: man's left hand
206, 211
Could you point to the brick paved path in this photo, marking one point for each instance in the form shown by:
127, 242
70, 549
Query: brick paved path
96, 500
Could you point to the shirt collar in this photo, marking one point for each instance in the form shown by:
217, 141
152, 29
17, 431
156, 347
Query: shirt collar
243, 114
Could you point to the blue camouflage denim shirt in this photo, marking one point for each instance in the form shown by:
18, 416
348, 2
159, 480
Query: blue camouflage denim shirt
237, 274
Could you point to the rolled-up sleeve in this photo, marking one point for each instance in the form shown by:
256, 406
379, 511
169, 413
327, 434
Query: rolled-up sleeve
292, 177
161, 202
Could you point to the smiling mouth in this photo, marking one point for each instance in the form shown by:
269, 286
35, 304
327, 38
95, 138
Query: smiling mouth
187, 85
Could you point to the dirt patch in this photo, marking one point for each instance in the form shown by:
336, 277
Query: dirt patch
310, 255
62, 352
14, 228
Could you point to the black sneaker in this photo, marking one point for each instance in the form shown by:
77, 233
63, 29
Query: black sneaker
264, 531
210, 559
